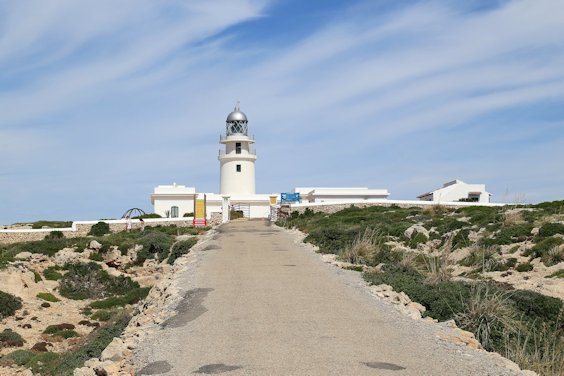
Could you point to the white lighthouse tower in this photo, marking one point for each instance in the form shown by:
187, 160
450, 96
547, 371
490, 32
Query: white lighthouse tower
237, 161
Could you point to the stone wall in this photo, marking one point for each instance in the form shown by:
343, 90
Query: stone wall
82, 229
333, 208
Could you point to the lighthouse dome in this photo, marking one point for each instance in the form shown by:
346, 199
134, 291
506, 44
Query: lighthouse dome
237, 115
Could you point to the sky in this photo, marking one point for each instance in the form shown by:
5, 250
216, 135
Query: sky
102, 100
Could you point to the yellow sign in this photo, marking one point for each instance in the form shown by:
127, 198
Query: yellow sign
273, 200
200, 211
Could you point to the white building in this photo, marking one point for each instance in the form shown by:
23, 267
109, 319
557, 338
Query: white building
333, 194
237, 183
457, 190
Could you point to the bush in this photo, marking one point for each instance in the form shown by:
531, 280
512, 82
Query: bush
99, 229
19, 357
54, 235
180, 248
556, 274
543, 246
64, 333
9, 304
51, 224
52, 274
48, 297
551, 229
510, 234
9, 338
553, 256
95, 256
84, 281
101, 315
460, 240
419, 238
332, 240
155, 245
150, 215
131, 297
525, 267
535, 305
36, 277
46, 247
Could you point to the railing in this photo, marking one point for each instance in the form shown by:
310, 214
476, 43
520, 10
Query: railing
234, 136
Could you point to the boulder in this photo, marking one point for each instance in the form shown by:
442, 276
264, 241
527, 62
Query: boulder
115, 350
416, 229
66, 256
84, 371
95, 245
24, 256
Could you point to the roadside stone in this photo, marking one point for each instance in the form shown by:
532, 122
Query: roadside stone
84, 371
115, 350
65, 256
416, 229
414, 305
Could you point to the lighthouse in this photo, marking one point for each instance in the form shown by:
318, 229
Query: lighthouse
237, 160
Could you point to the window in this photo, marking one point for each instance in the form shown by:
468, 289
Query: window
238, 168
237, 148
174, 212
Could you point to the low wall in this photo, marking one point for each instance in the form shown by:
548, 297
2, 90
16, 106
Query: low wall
81, 228
333, 207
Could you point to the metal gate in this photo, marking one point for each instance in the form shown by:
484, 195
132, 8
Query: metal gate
244, 208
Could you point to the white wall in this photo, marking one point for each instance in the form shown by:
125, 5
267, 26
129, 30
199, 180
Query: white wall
184, 206
233, 182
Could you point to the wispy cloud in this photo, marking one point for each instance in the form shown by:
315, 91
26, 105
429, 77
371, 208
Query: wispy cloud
118, 97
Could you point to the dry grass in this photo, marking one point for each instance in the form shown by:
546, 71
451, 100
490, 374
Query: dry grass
363, 246
553, 256
439, 267
513, 218
539, 350
483, 257
489, 315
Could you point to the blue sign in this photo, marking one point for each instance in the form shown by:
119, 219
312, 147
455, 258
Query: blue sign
290, 197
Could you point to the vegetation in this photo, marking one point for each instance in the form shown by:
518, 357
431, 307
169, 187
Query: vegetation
51, 224
48, 297
131, 297
54, 235
180, 248
51, 273
84, 281
9, 338
99, 229
9, 304
525, 326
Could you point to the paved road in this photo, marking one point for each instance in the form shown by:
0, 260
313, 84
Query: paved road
259, 304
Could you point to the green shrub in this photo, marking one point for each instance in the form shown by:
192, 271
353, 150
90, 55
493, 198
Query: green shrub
48, 297
442, 299
55, 235
46, 247
537, 306
332, 240
9, 304
52, 274
155, 244
36, 277
95, 256
551, 229
149, 215
556, 274
525, 267
460, 240
99, 229
236, 214
180, 248
101, 315
84, 281
132, 297
543, 246
510, 234
19, 357
482, 215
65, 333
51, 224
9, 338
191, 214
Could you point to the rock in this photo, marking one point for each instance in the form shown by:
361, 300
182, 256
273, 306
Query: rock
450, 324
114, 351
65, 256
24, 256
84, 371
403, 298
535, 231
26, 326
416, 229
414, 305
95, 245
45, 305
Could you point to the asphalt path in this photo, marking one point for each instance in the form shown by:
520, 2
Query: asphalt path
259, 303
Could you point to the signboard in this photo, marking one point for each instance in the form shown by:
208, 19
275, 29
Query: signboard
200, 210
290, 197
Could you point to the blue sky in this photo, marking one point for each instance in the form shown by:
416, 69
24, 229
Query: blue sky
100, 101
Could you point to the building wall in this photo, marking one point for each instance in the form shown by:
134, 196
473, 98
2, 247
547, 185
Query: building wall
184, 206
81, 228
233, 182
460, 191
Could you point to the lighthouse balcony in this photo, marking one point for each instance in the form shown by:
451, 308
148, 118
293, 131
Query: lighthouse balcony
238, 137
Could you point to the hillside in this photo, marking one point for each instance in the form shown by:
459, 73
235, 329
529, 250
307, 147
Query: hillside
62, 301
496, 271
